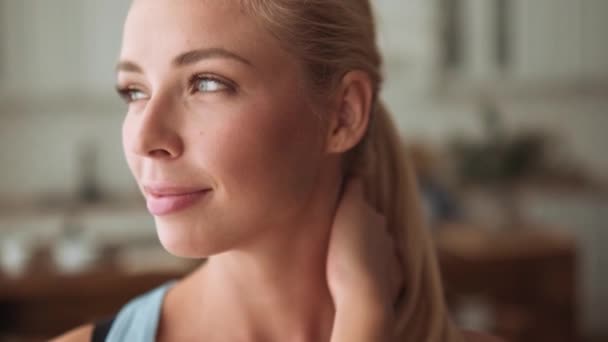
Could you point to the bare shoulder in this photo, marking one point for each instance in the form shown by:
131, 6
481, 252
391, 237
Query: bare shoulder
473, 336
80, 334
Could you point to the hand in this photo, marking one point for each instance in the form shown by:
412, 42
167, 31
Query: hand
363, 271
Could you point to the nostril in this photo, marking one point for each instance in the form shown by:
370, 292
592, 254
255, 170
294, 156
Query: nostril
160, 153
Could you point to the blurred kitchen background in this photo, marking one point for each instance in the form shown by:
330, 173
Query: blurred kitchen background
504, 104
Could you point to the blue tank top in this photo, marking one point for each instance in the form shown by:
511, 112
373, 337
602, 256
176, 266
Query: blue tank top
138, 320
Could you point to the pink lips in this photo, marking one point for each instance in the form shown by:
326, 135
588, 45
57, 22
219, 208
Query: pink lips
167, 200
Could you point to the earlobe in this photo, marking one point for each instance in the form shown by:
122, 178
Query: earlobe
351, 118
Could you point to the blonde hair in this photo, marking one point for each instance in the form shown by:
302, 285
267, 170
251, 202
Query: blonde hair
330, 38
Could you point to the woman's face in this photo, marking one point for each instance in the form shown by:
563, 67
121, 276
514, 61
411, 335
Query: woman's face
218, 135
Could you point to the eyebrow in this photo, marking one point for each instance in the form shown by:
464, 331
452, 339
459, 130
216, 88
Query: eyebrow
128, 67
194, 56
188, 58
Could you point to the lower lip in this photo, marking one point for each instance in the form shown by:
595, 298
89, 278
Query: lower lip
165, 205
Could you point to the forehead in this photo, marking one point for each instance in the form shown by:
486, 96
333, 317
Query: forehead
160, 29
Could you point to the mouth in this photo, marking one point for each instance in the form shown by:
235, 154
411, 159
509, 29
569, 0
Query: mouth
162, 201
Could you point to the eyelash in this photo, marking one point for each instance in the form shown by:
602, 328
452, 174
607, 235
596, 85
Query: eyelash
126, 93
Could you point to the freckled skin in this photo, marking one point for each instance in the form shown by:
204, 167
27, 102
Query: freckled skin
257, 147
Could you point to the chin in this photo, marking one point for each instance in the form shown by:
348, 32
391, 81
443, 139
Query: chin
186, 242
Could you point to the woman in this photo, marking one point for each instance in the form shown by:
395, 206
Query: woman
256, 133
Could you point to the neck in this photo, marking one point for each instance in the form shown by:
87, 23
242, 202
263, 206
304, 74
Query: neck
276, 286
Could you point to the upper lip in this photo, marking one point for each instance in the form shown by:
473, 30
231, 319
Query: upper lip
172, 190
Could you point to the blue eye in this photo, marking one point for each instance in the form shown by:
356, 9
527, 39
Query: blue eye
209, 85
131, 94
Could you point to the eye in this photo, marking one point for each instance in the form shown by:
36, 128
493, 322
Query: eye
131, 94
209, 84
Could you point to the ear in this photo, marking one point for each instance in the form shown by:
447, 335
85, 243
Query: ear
350, 119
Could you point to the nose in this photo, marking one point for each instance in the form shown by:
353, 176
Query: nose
154, 133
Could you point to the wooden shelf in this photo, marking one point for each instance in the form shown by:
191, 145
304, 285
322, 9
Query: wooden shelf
527, 277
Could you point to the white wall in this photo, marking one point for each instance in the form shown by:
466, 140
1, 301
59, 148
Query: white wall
40, 154
561, 39
57, 46
57, 91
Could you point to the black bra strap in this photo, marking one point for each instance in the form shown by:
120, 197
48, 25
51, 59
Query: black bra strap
101, 330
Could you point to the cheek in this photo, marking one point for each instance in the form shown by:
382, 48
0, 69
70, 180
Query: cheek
127, 145
268, 162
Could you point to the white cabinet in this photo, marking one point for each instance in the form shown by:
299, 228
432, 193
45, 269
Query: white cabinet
59, 47
407, 38
526, 42
560, 39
